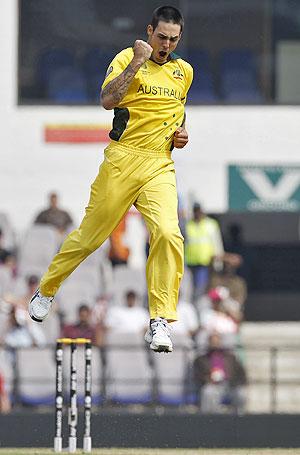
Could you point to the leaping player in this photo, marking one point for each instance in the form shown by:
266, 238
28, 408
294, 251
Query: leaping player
147, 87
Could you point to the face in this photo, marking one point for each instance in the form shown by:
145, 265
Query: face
216, 305
32, 285
163, 40
131, 299
53, 200
84, 315
198, 214
215, 341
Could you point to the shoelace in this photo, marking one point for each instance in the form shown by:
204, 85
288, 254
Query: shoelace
160, 327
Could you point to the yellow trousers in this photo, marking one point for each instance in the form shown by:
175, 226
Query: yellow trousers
146, 179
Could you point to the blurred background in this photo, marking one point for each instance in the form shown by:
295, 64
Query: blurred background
237, 345
243, 52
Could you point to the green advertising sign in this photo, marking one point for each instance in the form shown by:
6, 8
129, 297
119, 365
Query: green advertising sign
264, 188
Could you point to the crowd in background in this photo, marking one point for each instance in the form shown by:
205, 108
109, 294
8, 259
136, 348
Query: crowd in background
210, 312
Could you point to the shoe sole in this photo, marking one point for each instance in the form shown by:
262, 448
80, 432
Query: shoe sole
161, 348
157, 347
35, 319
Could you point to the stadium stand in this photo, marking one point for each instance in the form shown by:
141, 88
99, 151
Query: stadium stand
63, 78
40, 244
9, 238
269, 353
238, 76
36, 376
6, 281
95, 64
83, 285
135, 375
172, 373
51, 60
126, 278
7, 369
128, 372
67, 85
203, 88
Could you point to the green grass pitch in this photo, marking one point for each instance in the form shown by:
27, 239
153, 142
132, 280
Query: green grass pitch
115, 451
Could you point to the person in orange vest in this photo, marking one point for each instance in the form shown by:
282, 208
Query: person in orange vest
118, 252
203, 244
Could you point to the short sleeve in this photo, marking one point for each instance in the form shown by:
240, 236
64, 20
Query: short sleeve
189, 72
118, 65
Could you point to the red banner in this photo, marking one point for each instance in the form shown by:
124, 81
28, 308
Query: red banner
76, 134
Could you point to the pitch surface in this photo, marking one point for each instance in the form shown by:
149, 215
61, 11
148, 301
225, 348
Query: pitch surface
116, 451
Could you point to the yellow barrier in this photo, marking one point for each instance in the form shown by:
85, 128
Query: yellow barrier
73, 340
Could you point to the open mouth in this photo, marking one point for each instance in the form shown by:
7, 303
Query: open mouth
162, 54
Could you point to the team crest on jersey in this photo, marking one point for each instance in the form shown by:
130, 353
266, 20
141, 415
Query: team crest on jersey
177, 74
144, 68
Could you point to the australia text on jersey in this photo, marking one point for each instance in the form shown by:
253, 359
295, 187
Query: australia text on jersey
157, 90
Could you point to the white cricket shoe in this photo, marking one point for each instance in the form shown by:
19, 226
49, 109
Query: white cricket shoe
39, 306
158, 335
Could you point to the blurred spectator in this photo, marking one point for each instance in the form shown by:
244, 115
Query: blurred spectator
31, 282
21, 332
118, 252
220, 378
55, 216
235, 243
235, 284
203, 245
83, 328
8, 272
4, 253
228, 305
11, 264
5, 405
220, 314
98, 316
19, 298
8, 268
129, 318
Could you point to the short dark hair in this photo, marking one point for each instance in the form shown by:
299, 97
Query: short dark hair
32, 280
167, 14
83, 307
131, 294
197, 206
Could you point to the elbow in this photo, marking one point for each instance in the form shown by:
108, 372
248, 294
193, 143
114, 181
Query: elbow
106, 103
107, 106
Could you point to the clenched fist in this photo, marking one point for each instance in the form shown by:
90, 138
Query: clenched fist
181, 138
142, 51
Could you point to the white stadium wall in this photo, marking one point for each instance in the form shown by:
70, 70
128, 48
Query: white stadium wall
30, 168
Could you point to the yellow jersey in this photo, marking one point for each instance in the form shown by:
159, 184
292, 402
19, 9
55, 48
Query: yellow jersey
153, 107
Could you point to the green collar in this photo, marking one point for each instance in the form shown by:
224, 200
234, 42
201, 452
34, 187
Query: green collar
174, 56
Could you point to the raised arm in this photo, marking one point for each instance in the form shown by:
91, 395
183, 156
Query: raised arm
116, 89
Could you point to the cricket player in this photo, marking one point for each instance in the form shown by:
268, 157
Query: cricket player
147, 87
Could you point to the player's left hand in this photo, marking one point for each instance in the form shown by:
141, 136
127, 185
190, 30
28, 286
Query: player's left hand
181, 138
